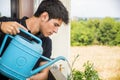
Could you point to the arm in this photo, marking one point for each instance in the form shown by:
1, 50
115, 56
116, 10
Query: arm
43, 75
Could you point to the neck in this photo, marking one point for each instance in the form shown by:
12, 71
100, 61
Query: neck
32, 25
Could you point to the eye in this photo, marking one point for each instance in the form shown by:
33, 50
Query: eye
56, 25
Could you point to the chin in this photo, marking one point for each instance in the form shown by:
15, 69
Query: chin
46, 35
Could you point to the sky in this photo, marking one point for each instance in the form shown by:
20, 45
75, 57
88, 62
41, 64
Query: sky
95, 8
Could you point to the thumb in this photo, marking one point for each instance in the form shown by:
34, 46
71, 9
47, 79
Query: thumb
21, 26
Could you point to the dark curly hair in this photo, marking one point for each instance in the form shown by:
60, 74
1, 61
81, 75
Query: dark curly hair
55, 9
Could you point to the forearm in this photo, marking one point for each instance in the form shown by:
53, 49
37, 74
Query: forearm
40, 76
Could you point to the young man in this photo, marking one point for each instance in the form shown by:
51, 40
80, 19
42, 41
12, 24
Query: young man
46, 21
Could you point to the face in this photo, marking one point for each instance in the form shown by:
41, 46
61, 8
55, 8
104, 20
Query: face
49, 27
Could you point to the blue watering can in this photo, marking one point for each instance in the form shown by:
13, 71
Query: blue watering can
21, 55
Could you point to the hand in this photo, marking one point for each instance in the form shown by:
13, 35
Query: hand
33, 78
11, 27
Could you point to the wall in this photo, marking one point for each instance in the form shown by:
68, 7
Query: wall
26, 8
61, 40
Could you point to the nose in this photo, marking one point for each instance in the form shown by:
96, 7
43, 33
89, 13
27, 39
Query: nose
55, 30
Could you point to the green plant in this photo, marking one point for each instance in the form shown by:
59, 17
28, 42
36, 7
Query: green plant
77, 75
89, 72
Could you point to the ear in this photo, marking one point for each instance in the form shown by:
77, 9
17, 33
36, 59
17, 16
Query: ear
44, 16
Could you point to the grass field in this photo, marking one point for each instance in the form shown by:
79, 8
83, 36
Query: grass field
106, 60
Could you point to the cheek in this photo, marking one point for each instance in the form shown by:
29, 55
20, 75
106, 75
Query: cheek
45, 29
48, 27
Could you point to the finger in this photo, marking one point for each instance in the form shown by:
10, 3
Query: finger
9, 31
15, 26
20, 26
14, 31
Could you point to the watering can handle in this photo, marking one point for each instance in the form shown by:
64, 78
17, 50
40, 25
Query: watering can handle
31, 35
7, 35
4, 41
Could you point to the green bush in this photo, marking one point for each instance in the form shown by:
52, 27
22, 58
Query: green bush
104, 31
81, 35
117, 31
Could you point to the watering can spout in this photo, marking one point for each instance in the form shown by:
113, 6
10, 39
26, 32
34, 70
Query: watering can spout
50, 62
